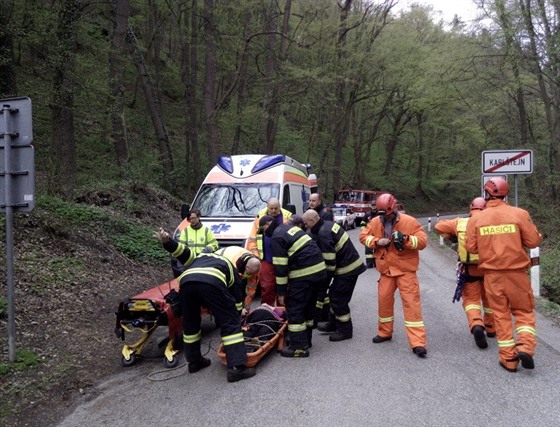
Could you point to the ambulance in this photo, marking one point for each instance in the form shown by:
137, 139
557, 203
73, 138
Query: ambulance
239, 186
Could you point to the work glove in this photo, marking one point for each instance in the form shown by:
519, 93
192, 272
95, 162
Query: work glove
398, 240
207, 250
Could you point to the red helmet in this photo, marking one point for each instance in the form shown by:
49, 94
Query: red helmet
497, 187
386, 204
478, 203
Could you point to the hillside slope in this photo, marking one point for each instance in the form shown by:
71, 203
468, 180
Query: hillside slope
74, 262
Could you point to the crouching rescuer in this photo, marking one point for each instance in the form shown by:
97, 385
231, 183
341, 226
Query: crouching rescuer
211, 281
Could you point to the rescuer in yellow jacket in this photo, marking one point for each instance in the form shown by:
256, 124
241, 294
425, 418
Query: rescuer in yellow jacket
501, 235
479, 316
396, 239
197, 236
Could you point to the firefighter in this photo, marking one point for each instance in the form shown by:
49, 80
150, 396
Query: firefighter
368, 216
396, 238
248, 267
259, 245
211, 281
479, 316
197, 237
300, 274
501, 235
316, 203
343, 268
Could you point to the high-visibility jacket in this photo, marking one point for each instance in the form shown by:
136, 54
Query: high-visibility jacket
458, 227
239, 257
340, 255
296, 257
500, 235
255, 242
199, 239
388, 260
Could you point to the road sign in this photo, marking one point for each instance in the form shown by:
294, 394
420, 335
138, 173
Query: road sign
22, 165
19, 125
502, 162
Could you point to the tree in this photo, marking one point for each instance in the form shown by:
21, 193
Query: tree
62, 102
120, 10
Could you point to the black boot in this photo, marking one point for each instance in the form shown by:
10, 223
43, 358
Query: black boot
420, 351
197, 365
526, 360
479, 337
294, 352
343, 331
241, 372
340, 336
326, 326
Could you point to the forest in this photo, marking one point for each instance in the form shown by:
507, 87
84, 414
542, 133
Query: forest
153, 91
134, 100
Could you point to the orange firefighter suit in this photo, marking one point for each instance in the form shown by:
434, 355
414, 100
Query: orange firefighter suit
473, 292
398, 271
500, 235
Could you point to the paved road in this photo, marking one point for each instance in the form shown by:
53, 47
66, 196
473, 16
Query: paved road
350, 383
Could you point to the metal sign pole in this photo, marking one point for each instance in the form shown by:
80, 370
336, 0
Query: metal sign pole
9, 235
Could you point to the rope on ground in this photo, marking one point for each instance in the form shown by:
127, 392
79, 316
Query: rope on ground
160, 375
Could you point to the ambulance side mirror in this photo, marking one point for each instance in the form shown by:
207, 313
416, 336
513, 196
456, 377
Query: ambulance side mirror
185, 210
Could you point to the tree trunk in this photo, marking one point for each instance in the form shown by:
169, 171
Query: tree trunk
547, 94
341, 115
8, 86
116, 103
241, 87
190, 80
270, 90
512, 53
210, 82
154, 109
62, 104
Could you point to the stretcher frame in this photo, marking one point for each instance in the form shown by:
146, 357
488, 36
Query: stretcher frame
254, 357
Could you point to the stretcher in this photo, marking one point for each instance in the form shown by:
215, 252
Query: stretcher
271, 336
143, 314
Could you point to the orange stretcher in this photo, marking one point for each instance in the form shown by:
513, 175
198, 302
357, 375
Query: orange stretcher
143, 313
257, 348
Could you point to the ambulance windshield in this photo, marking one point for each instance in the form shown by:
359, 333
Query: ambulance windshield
234, 200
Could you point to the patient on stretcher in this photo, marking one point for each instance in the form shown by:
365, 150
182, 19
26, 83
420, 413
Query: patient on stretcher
262, 324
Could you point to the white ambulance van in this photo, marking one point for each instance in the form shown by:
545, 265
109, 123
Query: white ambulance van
239, 186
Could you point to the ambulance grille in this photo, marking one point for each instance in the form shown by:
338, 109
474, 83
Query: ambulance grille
231, 242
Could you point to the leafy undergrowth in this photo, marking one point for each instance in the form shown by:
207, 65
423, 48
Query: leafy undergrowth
74, 262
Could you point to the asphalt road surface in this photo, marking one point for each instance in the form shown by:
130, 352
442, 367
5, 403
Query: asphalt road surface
348, 383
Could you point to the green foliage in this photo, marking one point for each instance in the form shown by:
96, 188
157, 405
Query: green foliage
24, 359
130, 238
550, 274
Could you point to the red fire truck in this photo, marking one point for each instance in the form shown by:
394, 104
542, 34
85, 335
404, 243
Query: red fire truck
361, 201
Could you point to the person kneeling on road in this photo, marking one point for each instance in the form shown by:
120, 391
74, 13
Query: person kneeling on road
210, 281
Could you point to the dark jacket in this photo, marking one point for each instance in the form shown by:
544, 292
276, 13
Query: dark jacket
341, 257
296, 257
324, 214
